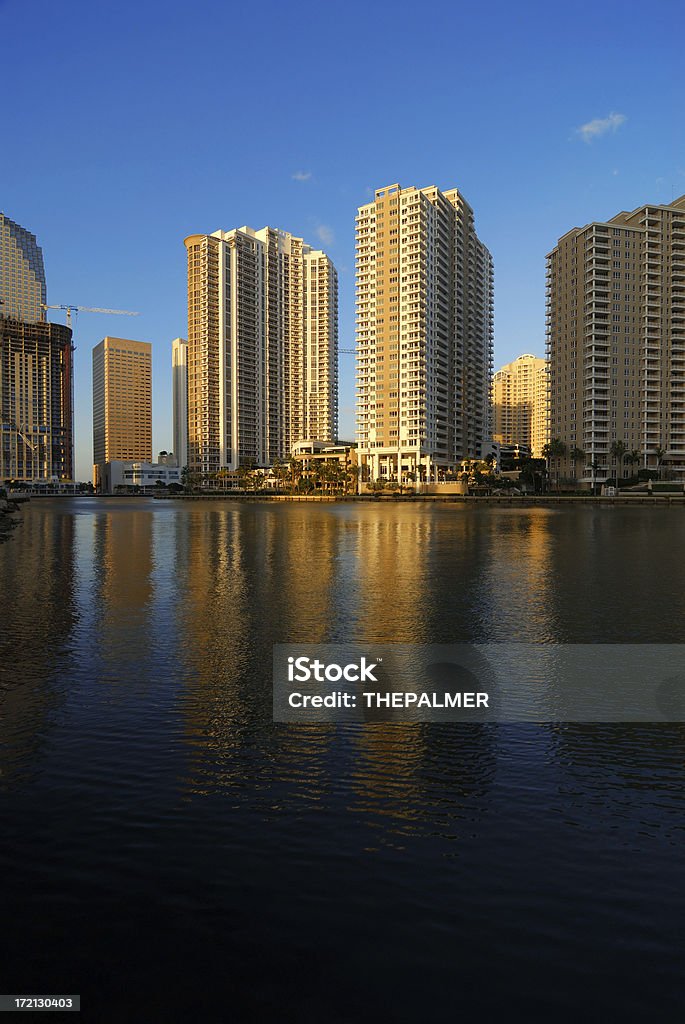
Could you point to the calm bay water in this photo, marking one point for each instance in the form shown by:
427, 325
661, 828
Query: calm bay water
170, 853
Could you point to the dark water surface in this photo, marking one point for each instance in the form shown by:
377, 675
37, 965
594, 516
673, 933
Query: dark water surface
170, 854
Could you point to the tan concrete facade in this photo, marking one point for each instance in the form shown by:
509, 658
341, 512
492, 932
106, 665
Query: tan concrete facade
424, 333
616, 340
262, 347
122, 401
519, 403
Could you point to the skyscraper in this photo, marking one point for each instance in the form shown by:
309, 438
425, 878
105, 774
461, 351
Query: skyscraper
519, 403
424, 333
616, 340
179, 384
36, 401
23, 293
262, 347
122, 402
36, 368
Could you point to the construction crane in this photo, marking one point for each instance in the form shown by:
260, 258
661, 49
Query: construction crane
88, 309
347, 351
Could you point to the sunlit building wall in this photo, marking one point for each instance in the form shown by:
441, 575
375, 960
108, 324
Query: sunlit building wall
179, 383
122, 402
519, 403
424, 333
616, 340
262, 348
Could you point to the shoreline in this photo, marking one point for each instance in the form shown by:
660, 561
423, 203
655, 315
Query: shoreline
460, 499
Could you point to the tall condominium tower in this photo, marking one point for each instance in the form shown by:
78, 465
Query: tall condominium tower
179, 384
616, 340
424, 333
519, 403
36, 401
22, 275
122, 402
262, 347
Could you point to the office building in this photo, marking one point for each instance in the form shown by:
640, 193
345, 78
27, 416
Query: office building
36, 401
262, 347
119, 475
616, 342
122, 402
519, 403
179, 384
424, 333
23, 292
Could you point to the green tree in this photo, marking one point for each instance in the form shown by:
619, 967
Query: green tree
555, 449
576, 455
618, 451
595, 466
660, 453
633, 457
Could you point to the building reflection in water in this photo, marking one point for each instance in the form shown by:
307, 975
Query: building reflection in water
37, 568
123, 591
255, 575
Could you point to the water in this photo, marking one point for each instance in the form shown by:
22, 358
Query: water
171, 854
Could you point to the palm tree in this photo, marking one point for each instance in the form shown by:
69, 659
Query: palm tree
595, 466
576, 455
555, 449
633, 458
659, 452
618, 451
295, 466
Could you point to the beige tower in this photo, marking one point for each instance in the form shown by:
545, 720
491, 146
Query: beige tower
262, 348
519, 403
616, 340
122, 402
424, 333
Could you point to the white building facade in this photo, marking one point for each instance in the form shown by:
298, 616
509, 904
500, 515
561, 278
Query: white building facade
424, 333
179, 384
262, 347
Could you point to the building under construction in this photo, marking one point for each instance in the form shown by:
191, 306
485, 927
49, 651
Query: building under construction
36, 401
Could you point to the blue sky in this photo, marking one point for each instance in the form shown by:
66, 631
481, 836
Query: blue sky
127, 126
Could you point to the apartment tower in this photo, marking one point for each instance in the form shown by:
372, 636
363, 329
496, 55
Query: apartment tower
424, 333
616, 341
519, 403
122, 402
179, 384
262, 348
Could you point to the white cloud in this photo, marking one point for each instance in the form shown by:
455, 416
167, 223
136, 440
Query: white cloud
302, 176
600, 126
325, 234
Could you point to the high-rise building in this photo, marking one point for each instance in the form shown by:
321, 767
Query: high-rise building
36, 368
36, 401
424, 333
122, 402
23, 293
262, 347
519, 403
616, 341
179, 384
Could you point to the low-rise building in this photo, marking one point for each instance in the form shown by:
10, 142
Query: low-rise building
132, 476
